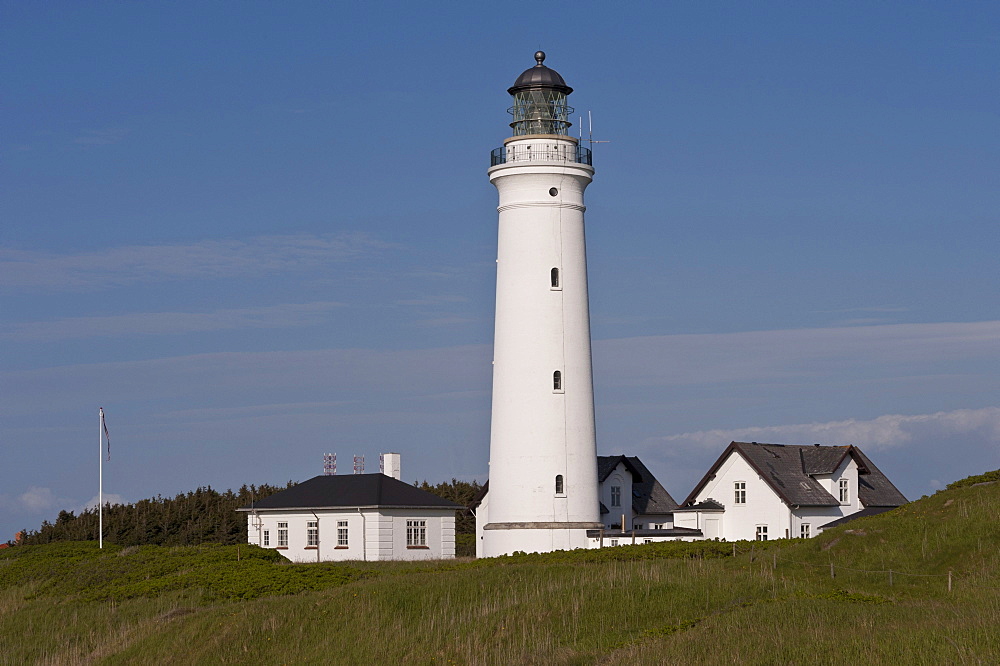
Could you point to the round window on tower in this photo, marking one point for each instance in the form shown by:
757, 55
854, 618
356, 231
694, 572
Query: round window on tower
553, 191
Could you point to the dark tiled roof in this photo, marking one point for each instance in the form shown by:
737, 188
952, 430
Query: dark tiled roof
671, 532
787, 468
875, 487
648, 496
607, 464
480, 496
821, 459
707, 505
353, 490
867, 511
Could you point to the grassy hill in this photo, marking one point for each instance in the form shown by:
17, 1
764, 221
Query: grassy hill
672, 603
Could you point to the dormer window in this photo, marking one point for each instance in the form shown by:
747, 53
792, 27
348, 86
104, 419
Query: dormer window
616, 495
845, 491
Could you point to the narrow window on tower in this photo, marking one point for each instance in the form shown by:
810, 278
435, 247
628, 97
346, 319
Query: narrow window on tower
557, 383
554, 279
560, 490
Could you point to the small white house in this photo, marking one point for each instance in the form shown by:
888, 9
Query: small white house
635, 508
354, 517
773, 491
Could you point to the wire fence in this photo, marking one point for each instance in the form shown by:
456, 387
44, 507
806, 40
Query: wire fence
892, 574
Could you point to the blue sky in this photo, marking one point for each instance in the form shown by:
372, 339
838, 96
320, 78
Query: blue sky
258, 232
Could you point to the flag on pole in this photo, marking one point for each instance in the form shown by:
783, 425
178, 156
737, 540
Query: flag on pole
106, 435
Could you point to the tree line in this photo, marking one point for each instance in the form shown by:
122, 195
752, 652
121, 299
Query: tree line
201, 516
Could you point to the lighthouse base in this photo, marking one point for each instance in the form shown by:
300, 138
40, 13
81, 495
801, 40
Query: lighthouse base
508, 538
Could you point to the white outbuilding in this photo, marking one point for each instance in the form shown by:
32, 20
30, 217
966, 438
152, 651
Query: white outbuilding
774, 491
354, 517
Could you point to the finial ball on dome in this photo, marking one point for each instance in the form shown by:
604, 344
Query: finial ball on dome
539, 57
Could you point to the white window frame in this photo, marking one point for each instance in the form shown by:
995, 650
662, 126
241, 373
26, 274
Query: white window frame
761, 533
616, 496
312, 534
845, 491
740, 493
805, 531
282, 535
265, 539
416, 533
342, 535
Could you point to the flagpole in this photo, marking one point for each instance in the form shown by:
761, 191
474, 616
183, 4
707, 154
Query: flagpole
100, 477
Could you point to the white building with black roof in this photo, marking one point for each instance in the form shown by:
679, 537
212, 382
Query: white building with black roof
635, 508
354, 517
631, 497
772, 491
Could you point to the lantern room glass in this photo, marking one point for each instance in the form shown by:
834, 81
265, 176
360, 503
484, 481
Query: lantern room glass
540, 111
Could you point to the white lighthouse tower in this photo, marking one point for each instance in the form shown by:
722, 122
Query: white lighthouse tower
543, 487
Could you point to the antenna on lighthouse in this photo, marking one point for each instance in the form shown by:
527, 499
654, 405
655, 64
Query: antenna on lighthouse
590, 136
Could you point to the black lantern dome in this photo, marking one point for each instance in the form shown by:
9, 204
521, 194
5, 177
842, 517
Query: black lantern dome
540, 101
540, 76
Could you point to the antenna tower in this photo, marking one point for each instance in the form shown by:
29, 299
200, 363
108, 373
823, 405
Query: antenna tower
329, 464
359, 464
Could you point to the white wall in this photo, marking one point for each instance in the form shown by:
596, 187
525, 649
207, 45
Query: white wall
621, 477
372, 534
647, 520
740, 521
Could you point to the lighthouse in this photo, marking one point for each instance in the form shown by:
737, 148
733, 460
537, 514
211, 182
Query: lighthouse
543, 486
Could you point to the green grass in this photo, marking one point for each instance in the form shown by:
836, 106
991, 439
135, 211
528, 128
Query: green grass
654, 604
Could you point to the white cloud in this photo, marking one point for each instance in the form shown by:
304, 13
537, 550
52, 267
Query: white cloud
131, 264
170, 323
37, 499
109, 498
34, 500
887, 431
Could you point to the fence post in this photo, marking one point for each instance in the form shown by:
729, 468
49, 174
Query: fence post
734, 549
831, 570
949, 580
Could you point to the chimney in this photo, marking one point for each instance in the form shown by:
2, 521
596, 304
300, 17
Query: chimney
390, 465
